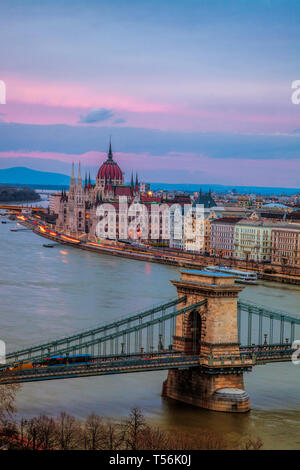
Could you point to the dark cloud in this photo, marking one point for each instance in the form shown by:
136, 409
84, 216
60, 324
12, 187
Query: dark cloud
96, 115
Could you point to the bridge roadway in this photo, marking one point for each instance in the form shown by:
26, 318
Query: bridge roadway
101, 366
133, 363
9, 207
268, 353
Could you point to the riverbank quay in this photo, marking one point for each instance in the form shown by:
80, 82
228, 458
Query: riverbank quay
283, 278
110, 250
148, 254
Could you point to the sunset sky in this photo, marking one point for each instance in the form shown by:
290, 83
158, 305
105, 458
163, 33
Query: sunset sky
191, 91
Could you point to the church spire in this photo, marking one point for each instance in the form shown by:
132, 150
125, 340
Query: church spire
110, 155
72, 182
79, 179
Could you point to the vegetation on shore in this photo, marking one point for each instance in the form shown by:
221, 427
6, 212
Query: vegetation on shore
11, 194
65, 432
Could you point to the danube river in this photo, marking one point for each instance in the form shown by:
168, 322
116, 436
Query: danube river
47, 293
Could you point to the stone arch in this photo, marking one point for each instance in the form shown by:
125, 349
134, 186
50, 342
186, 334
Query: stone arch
193, 329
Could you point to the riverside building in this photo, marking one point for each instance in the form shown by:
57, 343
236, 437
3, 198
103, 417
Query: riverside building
253, 240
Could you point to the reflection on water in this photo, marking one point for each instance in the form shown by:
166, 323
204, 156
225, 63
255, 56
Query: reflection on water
48, 293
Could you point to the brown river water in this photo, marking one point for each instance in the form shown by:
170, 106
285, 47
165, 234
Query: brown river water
46, 293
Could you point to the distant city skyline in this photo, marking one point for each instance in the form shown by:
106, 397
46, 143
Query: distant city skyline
191, 92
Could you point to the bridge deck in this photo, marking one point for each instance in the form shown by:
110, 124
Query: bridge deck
158, 361
100, 367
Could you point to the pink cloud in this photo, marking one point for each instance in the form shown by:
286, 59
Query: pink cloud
72, 95
40, 114
36, 102
88, 158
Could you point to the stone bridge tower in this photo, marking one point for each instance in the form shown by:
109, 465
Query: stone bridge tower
211, 332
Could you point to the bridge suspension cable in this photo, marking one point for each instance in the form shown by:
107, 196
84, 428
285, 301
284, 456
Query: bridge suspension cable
129, 335
260, 326
53, 345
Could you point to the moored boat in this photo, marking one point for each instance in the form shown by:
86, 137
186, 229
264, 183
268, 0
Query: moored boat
242, 277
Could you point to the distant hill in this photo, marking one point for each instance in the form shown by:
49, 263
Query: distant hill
220, 188
23, 176
20, 175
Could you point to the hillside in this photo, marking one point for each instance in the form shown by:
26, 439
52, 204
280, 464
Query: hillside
23, 176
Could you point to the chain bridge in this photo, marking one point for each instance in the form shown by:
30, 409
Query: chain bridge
206, 338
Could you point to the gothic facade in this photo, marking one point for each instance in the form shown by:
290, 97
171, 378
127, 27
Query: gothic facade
78, 208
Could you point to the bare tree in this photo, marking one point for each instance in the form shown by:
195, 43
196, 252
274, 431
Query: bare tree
22, 428
134, 426
93, 432
113, 436
154, 439
32, 442
7, 400
8, 434
44, 429
67, 432
252, 444
157, 439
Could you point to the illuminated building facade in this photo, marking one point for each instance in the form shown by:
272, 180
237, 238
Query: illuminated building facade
77, 214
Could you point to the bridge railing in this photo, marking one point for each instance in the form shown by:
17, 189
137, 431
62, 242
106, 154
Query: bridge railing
258, 325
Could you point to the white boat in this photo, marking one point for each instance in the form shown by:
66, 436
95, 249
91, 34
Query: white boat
243, 277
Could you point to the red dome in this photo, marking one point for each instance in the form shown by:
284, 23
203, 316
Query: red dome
110, 169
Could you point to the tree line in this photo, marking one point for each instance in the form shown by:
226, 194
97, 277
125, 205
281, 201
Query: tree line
10, 194
65, 432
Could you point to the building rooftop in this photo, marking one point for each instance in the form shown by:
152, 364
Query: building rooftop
256, 223
227, 220
205, 199
287, 226
270, 224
